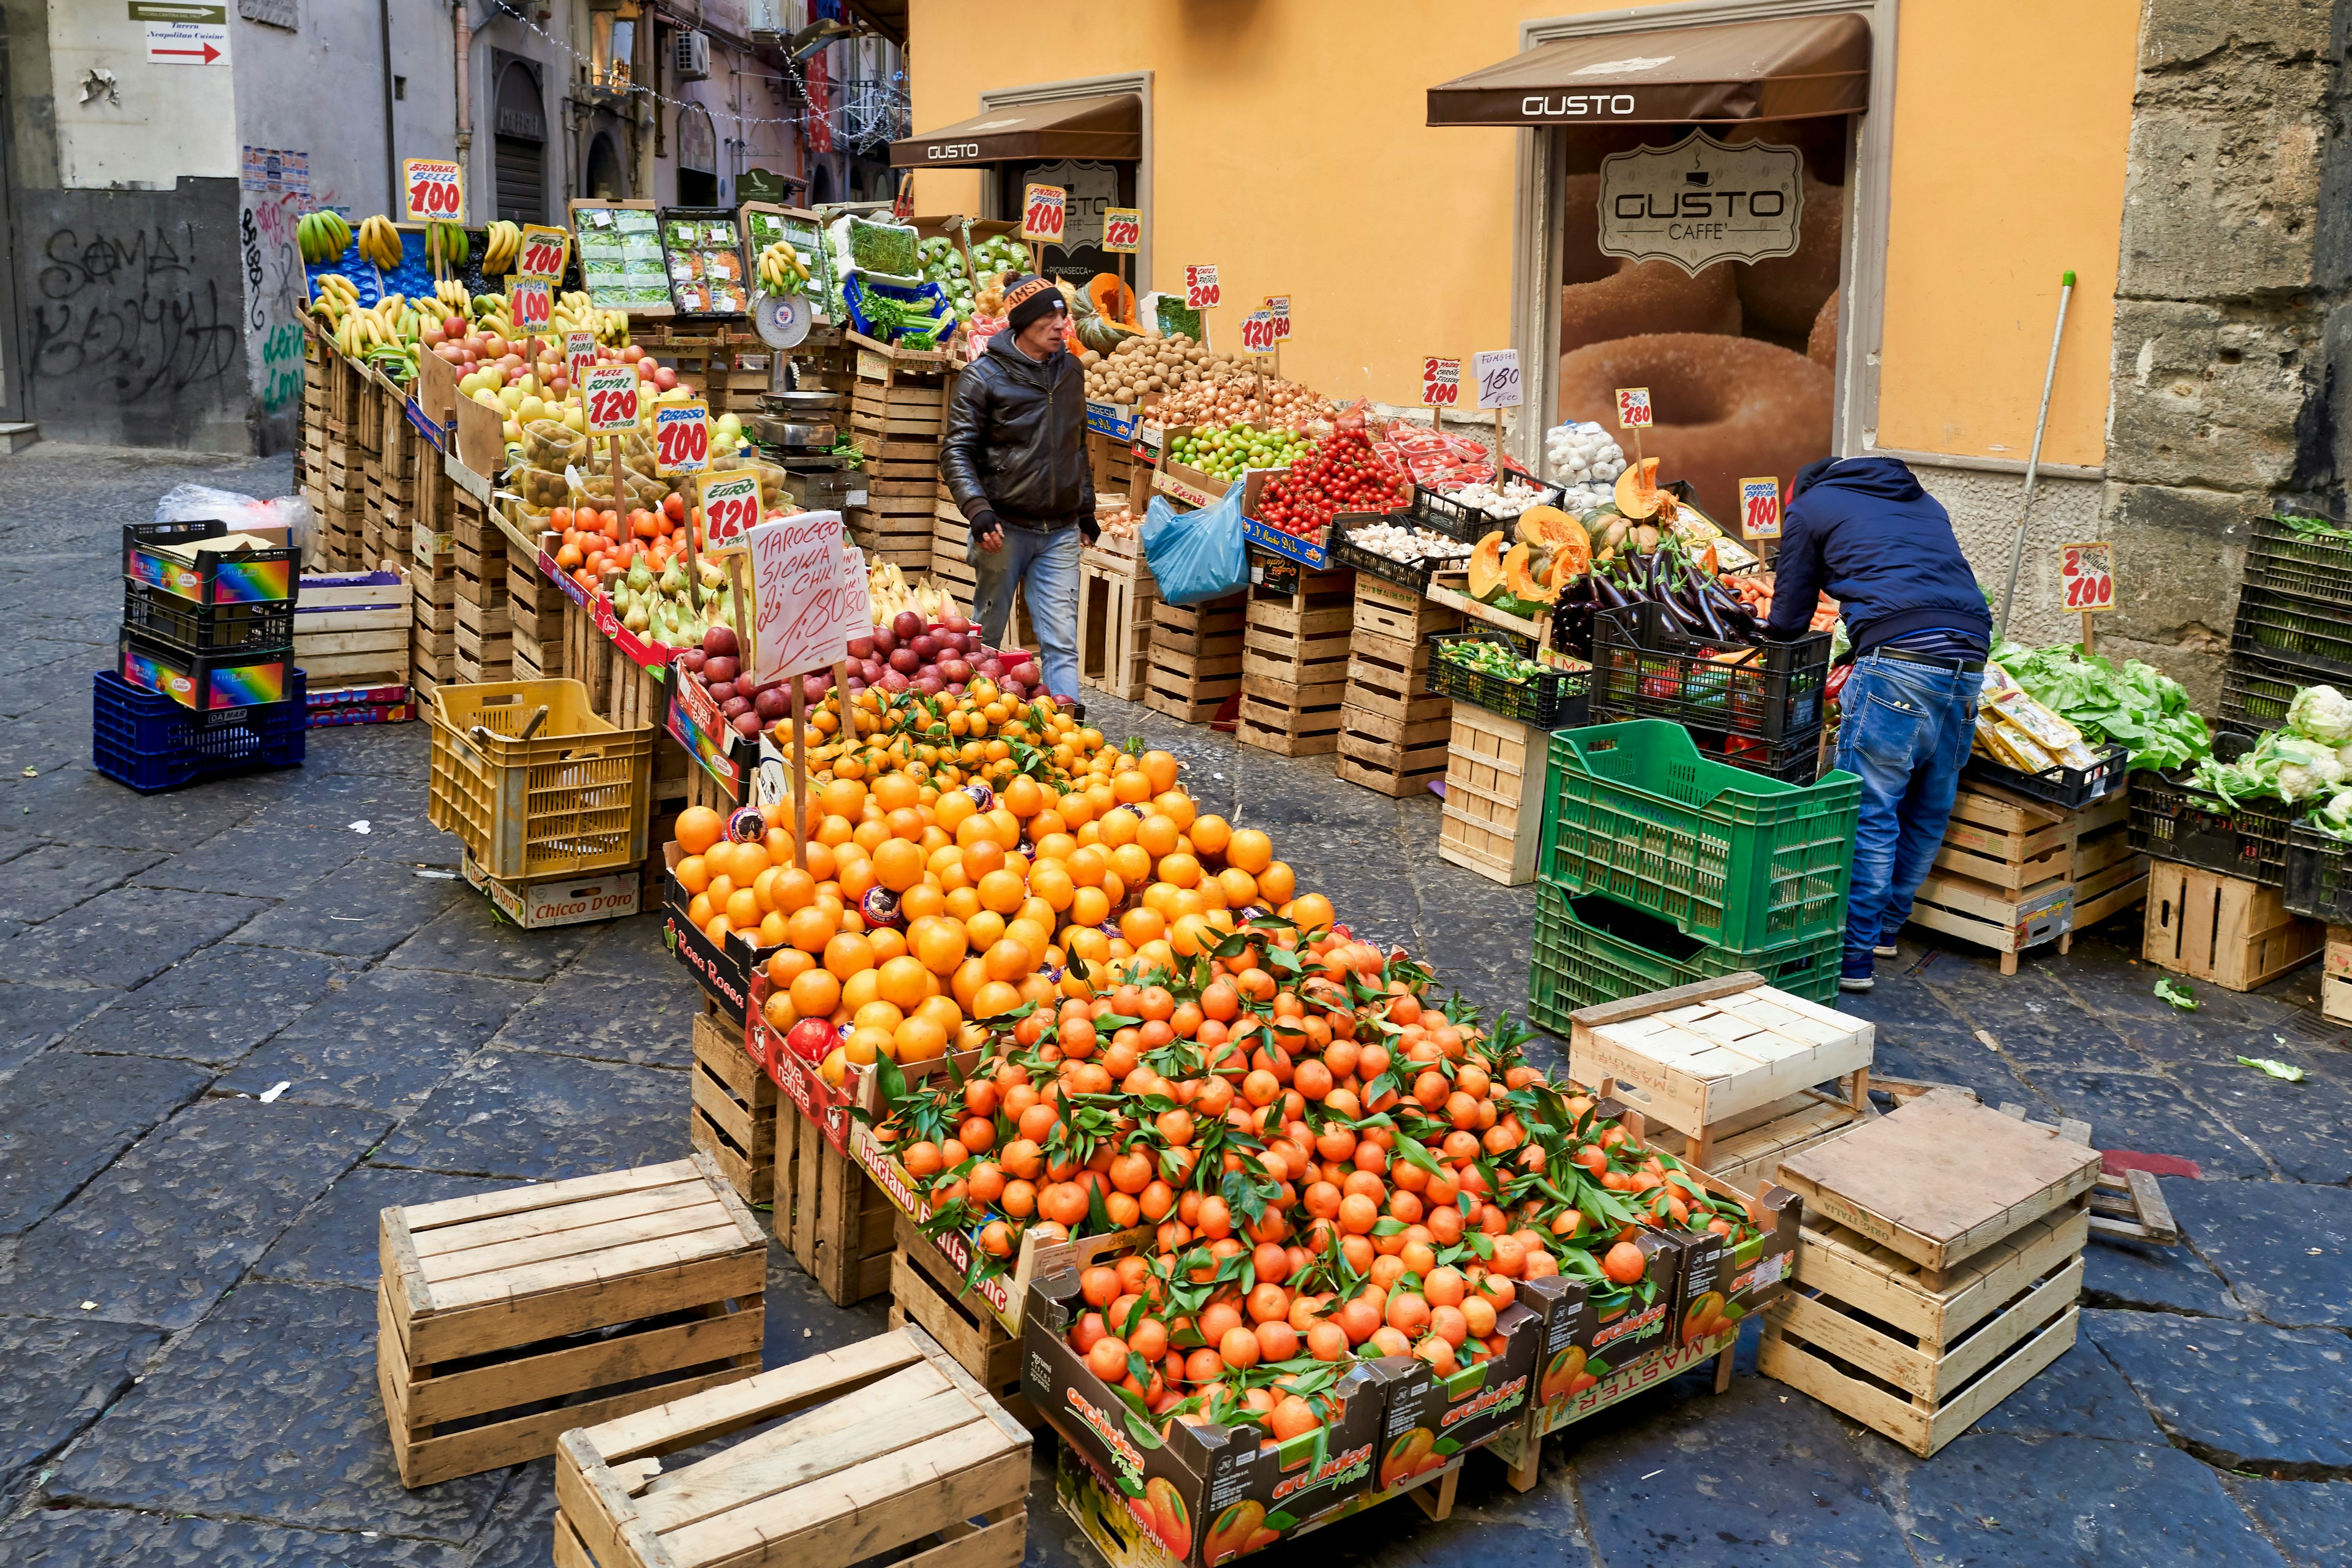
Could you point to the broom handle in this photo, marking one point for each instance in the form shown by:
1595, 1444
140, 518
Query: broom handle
2034, 458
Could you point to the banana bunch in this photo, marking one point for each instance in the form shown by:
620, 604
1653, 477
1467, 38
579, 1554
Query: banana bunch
575, 312
386, 335
337, 296
446, 245
781, 271
379, 242
322, 237
453, 298
504, 242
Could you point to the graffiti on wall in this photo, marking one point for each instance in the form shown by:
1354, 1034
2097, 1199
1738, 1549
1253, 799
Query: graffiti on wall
277, 192
127, 310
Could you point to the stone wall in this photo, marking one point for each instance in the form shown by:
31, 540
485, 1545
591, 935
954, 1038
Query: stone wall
2231, 329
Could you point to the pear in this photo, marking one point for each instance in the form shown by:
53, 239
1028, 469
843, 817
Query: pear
638, 620
640, 578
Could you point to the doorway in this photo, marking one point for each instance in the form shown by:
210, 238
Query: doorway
606, 180
518, 150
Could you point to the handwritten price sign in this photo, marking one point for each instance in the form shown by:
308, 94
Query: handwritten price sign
681, 438
1633, 408
1759, 508
1496, 372
2087, 576
1043, 210
1258, 332
579, 353
610, 392
529, 306
1201, 290
1279, 304
730, 505
435, 189
798, 589
1122, 230
544, 252
1441, 382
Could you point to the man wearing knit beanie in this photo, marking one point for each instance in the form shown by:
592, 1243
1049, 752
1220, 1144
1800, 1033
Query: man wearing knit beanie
1015, 461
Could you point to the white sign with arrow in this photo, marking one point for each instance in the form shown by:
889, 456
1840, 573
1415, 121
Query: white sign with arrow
183, 34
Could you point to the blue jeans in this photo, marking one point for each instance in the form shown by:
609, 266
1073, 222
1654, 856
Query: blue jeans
1044, 567
1905, 733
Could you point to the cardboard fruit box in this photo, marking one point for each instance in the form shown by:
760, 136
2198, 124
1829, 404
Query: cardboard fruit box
722, 970
1591, 1332
823, 1103
1431, 1419
1207, 1493
1723, 1286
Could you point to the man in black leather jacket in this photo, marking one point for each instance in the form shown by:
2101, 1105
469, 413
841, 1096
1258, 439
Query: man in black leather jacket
1015, 461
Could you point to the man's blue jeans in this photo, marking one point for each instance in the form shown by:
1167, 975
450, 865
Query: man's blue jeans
1044, 567
1905, 733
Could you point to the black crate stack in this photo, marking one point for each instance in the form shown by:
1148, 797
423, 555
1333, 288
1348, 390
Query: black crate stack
1760, 708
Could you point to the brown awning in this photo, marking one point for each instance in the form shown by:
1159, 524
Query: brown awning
1106, 127
1794, 69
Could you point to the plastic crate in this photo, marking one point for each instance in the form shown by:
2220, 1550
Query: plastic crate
1467, 523
1722, 853
2315, 630
150, 743
191, 627
1343, 551
1594, 950
2318, 876
2061, 786
2259, 685
2172, 821
574, 797
1646, 668
205, 681
257, 576
1797, 761
1539, 699
2283, 561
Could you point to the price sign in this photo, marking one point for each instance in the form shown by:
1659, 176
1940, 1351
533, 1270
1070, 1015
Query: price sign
435, 189
681, 438
544, 252
856, 594
1633, 408
1201, 290
798, 589
731, 504
1280, 305
1759, 508
1496, 372
1043, 208
2087, 576
1441, 382
1122, 230
579, 353
529, 308
610, 392
1257, 333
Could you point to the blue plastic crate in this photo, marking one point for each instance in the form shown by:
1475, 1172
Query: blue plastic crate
150, 743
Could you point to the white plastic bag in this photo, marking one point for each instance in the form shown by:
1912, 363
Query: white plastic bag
242, 513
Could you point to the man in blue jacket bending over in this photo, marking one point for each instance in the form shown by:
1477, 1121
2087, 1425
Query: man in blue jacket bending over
1862, 530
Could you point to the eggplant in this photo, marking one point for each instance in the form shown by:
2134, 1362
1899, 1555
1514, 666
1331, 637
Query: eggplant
1711, 621
1606, 592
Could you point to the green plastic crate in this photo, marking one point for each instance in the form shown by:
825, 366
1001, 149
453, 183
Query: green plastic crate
1603, 954
1636, 812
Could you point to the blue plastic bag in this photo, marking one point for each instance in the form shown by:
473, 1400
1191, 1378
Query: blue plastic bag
1196, 555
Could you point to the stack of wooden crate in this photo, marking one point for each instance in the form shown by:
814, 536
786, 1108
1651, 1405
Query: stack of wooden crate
732, 1114
1938, 1268
484, 641
311, 453
2014, 872
347, 479
433, 609
1496, 772
1118, 597
1195, 658
1295, 654
1393, 732
898, 412
398, 474
352, 636
831, 1216
534, 619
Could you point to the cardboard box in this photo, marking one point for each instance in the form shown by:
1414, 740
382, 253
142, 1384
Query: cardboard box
1723, 1286
826, 1107
1590, 1333
724, 973
694, 721
1431, 1419
560, 900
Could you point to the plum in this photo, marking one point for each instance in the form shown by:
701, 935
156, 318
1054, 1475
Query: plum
772, 703
720, 640
722, 667
907, 624
905, 660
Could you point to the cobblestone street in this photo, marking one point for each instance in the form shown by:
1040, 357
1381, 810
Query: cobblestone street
237, 1021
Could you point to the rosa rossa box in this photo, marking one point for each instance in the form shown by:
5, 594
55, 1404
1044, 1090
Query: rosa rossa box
799, 1078
1207, 1493
1430, 1418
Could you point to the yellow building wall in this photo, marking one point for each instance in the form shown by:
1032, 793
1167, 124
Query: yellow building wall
1290, 149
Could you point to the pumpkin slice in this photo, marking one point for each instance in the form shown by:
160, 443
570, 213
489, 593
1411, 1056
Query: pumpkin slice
1571, 551
1520, 583
1486, 566
1637, 492
1111, 297
1542, 524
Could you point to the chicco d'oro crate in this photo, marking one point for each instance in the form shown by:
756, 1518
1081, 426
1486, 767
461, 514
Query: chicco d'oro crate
534, 783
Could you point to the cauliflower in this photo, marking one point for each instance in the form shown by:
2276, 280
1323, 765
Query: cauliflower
2322, 713
2306, 768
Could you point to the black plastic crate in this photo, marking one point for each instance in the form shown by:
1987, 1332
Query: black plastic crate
2064, 787
1469, 523
2313, 631
191, 627
206, 682
1646, 668
253, 577
2258, 686
1541, 699
2318, 876
2314, 566
2173, 821
1343, 551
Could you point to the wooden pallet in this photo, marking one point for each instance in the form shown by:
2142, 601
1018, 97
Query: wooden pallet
1941, 1179
883, 1444
1117, 597
2235, 934
1496, 770
833, 1220
1919, 1356
493, 1306
1196, 658
925, 1289
732, 1115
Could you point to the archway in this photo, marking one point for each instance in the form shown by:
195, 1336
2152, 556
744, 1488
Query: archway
697, 158
519, 149
605, 179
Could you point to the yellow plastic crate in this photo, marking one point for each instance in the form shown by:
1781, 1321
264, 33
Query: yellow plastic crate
574, 797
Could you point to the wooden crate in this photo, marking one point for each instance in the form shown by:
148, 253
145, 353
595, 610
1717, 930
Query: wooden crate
2006, 877
1941, 1179
2008, 922
2226, 930
353, 630
833, 1220
494, 1308
1117, 597
1496, 770
1289, 720
889, 1444
2110, 876
1394, 735
1299, 640
1698, 1058
1919, 1359
1195, 659
925, 1291
732, 1117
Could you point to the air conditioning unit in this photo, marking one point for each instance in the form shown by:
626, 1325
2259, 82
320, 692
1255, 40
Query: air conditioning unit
690, 60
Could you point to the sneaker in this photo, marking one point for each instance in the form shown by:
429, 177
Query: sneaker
1883, 950
1855, 981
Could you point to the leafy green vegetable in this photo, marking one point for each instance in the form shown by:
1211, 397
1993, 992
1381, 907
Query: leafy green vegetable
2180, 996
1489, 659
2317, 527
2279, 1070
884, 248
2136, 706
